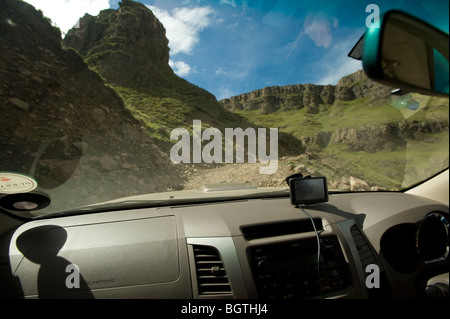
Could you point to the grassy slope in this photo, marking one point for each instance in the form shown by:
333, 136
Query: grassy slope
381, 168
176, 103
331, 117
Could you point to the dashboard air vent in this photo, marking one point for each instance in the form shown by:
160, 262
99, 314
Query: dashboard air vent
279, 229
212, 278
364, 251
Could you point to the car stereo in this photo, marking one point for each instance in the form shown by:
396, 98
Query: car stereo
290, 269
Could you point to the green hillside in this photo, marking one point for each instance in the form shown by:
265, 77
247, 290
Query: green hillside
385, 138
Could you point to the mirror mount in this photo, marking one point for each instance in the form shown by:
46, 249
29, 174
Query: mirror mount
407, 53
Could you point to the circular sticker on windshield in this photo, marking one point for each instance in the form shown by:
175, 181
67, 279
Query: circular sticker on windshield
13, 183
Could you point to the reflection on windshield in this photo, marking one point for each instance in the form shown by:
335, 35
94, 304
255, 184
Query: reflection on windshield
107, 113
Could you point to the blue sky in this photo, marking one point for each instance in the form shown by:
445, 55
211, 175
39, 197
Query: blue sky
229, 47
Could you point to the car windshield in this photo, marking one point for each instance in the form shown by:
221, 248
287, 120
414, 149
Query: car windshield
175, 101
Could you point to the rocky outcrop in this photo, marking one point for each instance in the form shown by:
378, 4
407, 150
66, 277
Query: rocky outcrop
357, 85
113, 44
271, 99
309, 96
387, 136
370, 138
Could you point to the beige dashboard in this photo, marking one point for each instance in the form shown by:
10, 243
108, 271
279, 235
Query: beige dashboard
251, 248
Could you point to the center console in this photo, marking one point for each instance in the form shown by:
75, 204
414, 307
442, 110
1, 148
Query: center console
292, 269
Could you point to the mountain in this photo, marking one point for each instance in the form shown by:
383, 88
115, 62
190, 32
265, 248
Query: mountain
315, 114
323, 117
309, 96
129, 49
74, 134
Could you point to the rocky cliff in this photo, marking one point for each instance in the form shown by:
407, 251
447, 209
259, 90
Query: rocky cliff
62, 125
127, 46
309, 96
387, 136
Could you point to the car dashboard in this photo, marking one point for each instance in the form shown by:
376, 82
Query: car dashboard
262, 248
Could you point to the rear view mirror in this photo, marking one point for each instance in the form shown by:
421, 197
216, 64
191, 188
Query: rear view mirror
407, 53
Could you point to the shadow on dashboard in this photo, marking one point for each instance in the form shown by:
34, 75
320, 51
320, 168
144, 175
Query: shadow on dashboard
57, 276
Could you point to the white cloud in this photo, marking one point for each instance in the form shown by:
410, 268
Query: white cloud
180, 68
183, 26
65, 13
341, 67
